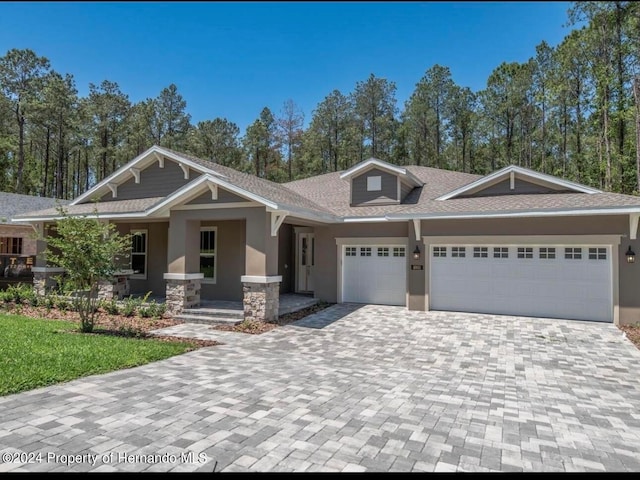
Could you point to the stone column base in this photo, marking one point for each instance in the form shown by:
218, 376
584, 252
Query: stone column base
44, 280
118, 287
261, 297
183, 291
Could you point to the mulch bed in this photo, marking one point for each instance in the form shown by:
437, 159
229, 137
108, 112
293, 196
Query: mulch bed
633, 333
106, 324
256, 328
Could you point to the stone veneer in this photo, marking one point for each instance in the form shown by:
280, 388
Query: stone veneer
182, 293
118, 287
261, 300
44, 279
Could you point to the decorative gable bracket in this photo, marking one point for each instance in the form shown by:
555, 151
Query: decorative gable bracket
185, 169
136, 173
160, 159
214, 190
633, 225
114, 189
276, 220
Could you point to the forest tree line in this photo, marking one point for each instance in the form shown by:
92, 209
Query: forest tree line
572, 110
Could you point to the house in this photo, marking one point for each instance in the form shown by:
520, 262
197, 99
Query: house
512, 242
18, 243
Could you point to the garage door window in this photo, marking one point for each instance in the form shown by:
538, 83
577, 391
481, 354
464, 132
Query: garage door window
365, 251
525, 252
571, 253
383, 251
439, 251
351, 251
458, 252
480, 252
597, 254
500, 252
547, 253
398, 251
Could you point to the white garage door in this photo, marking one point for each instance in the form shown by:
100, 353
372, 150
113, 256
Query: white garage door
571, 282
374, 274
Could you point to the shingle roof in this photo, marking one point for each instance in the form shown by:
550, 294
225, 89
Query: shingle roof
116, 206
12, 204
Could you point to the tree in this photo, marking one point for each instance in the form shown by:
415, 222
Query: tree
171, 122
90, 251
261, 145
21, 77
289, 130
216, 140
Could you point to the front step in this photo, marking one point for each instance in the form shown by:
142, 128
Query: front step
207, 319
214, 312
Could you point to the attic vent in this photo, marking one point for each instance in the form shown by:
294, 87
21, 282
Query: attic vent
374, 184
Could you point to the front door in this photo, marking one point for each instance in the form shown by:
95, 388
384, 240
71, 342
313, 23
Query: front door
306, 262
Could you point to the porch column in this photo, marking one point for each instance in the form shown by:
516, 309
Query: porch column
183, 253
45, 279
116, 287
261, 283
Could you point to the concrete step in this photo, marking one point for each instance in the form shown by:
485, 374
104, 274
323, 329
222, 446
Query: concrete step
215, 312
207, 319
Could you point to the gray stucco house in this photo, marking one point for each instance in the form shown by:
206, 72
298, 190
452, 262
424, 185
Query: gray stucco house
512, 242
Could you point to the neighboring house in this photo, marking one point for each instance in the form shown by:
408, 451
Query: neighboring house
18, 243
511, 242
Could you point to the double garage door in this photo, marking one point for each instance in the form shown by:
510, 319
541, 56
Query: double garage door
557, 281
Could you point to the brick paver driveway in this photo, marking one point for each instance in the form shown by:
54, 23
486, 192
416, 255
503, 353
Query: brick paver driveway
353, 388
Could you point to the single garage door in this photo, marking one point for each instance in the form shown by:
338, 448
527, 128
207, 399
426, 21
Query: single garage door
556, 281
374, 274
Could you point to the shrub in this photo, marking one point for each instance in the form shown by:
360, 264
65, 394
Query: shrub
20, 293
129, 307
110, 306
152, 309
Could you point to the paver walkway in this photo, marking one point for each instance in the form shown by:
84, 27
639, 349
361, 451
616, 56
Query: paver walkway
352, 388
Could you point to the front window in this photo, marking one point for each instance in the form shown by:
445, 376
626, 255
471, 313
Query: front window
139, 253
208, 239
11, 245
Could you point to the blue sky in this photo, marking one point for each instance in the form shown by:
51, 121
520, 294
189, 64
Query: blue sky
232, 59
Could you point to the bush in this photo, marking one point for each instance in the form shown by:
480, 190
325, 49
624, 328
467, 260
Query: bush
19, 294
152, 309
110, 306
62, 303
129, 306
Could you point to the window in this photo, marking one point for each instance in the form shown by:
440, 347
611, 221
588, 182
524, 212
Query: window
458, 252
597, 254
139, 253
383, 251
374, 184
11, 245
572, 253
398, 251
500, 252
208, 240
351, 251
365, 251
480, 252
547, 252
525, 252
439, 251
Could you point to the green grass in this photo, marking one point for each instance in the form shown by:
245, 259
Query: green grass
35, 353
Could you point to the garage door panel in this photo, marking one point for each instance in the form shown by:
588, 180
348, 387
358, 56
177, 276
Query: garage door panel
558, 287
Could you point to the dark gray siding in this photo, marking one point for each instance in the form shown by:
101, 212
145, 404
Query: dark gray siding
286, 257
388, 194
154, 182
224, 196
404, 191
522, 187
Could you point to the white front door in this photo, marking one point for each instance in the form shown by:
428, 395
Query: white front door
306, 261
557, 281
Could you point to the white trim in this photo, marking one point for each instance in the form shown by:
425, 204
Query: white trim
132, 232
363, 219
372, 241
214, 279
276, 220
114, 189
482, 240
374, 183
512, 180
183, 276
633, 225
502, 173
214, 191
260, 278
136, 174
416, 228
370, 163
47, 270
160, 159
214, 206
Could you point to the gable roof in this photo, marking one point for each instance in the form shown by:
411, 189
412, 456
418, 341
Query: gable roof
522, 173
12, 204
365, 165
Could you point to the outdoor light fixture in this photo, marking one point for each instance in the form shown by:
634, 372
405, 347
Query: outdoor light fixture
416, 253
631, 255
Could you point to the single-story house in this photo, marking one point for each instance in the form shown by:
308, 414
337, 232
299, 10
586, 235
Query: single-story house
514, 242
18, 243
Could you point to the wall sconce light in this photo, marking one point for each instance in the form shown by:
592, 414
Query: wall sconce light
416, 253
631, 255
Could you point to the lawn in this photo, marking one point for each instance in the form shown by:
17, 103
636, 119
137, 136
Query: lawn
35, 353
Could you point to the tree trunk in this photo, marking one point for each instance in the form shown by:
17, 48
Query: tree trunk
20, 120
636, 96
607, 145
46, 163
